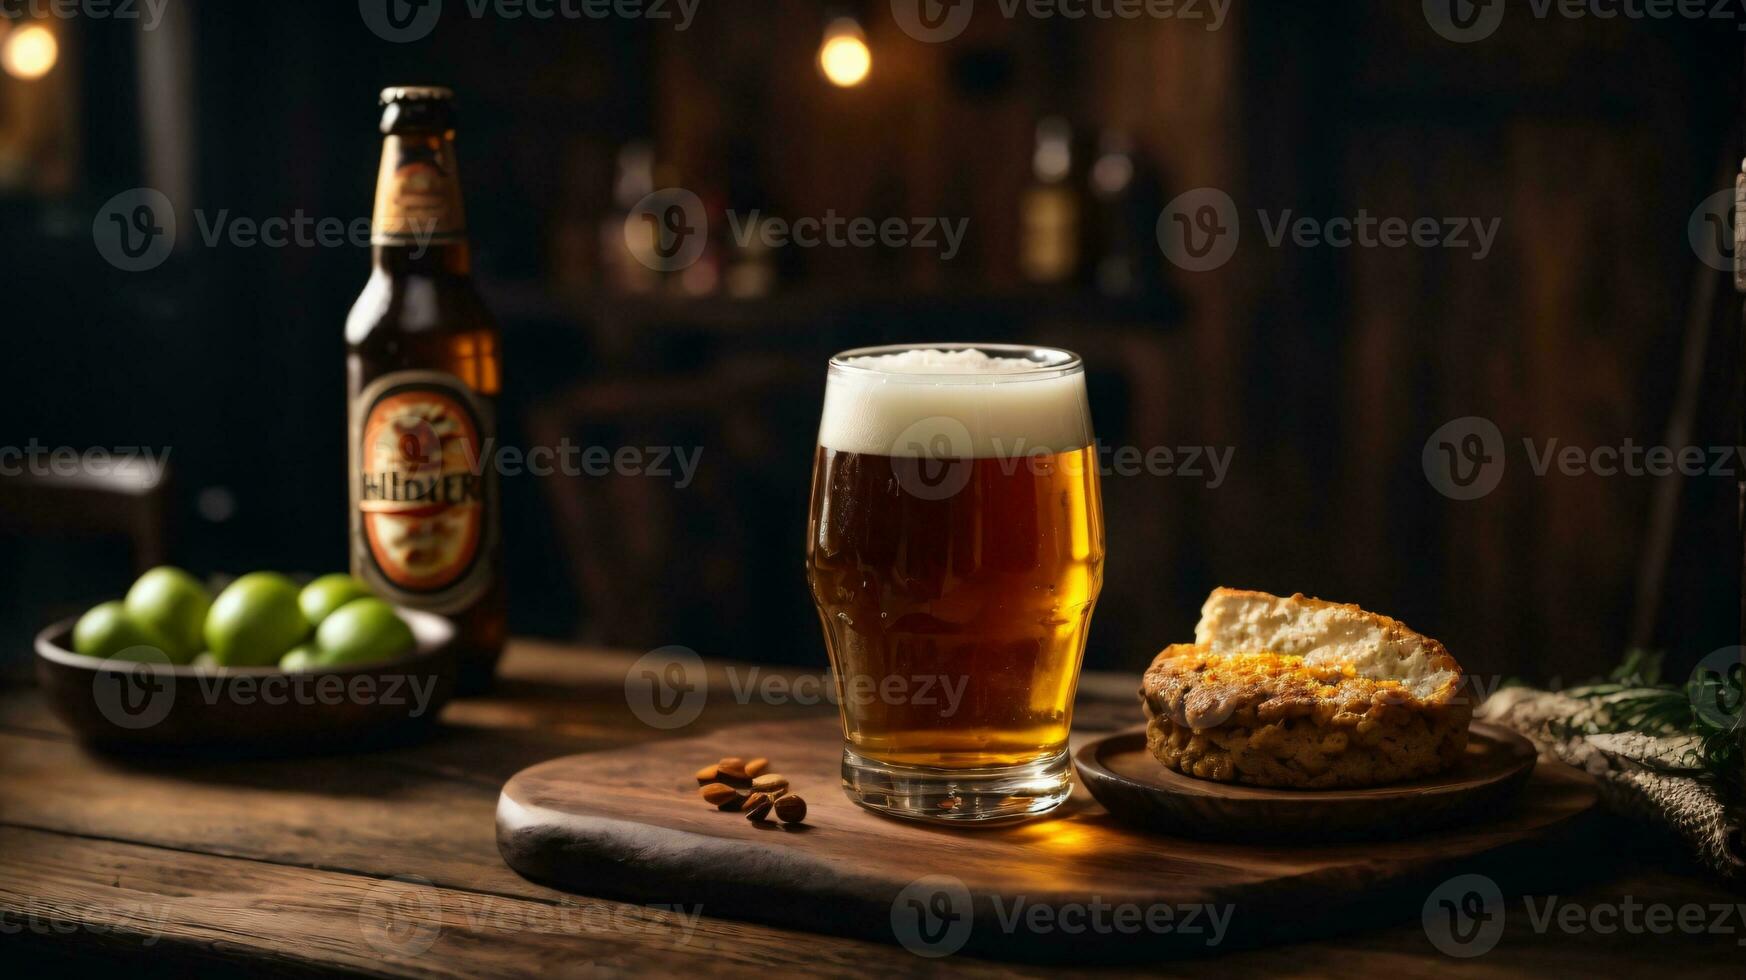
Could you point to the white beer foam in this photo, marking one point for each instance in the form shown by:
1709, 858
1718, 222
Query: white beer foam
960, 403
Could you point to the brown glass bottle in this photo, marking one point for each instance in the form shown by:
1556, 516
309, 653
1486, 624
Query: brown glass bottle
422, 378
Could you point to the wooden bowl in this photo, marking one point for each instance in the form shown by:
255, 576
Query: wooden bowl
160, 708
1137, 789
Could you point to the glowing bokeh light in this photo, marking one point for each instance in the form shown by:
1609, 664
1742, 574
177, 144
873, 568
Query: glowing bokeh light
30, 52
844, 57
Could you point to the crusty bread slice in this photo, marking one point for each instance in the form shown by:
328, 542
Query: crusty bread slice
1329, 634
1299, 692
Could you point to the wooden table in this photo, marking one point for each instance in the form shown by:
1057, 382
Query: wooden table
385, 863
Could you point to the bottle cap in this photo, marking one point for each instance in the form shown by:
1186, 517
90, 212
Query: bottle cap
416, 93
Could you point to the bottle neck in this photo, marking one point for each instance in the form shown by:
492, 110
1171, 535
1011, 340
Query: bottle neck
420, 225
446, 259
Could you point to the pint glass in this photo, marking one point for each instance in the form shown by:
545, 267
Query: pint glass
955, 551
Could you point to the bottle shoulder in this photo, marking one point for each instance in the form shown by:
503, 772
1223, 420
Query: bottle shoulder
405, 303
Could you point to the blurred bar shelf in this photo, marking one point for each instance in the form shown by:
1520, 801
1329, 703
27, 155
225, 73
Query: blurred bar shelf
814, 308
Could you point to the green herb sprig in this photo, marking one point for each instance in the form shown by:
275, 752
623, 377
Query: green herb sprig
1634, 698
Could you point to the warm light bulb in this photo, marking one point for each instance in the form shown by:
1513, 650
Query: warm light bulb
30, 52
844, 57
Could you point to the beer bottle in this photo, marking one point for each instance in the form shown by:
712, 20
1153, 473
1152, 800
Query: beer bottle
422, 378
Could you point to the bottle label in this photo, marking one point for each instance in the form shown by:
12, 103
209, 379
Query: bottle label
418, 193
423, 497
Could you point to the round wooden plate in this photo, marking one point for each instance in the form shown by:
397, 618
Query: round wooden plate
1137, 789
127, 707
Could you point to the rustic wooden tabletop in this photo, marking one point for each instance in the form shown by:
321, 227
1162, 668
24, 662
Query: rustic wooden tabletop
386, 863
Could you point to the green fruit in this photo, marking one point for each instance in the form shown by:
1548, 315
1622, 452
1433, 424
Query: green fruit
255, 620
174, 604
363, 631
304, 657
107, 630
327, 593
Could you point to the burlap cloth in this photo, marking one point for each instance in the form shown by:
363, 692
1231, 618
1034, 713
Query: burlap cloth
1622, 766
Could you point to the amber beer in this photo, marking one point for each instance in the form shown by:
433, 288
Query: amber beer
422, 379
955, 552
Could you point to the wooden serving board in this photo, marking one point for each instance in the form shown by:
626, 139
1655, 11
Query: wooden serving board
1073, 887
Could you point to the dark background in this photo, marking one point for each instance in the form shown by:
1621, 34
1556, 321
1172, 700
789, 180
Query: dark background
1326, 369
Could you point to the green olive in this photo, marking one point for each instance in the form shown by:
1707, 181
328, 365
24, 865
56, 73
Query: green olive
109, 630
363, 631
255, 621
303, 657
173, 603
327, 593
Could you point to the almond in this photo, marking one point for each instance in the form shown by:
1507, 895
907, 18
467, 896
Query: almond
757, 767
758, 806
771, 783
707, 775
720, 794
732, 769
790, 809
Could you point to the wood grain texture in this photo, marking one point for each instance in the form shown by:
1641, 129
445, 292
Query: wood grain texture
266, 867
631, 821
206, 912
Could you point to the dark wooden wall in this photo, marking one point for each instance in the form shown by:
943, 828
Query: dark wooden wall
1325, 370
1593, 142
1328, 369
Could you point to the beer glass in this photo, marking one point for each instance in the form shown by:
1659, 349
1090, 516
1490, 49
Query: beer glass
955, 551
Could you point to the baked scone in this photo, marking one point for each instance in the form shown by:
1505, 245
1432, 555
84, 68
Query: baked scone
1298, 692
